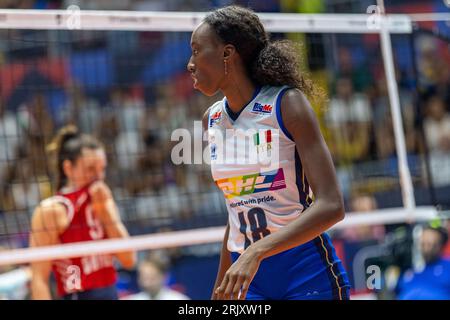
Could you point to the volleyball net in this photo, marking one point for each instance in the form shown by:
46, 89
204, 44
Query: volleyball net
121, 76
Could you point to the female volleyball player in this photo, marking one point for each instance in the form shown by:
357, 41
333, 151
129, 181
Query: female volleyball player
82, 210
275, 245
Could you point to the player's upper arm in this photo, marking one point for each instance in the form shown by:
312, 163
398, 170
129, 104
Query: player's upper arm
48, 222
301, 122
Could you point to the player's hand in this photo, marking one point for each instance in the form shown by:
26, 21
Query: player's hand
99, 192
237, 279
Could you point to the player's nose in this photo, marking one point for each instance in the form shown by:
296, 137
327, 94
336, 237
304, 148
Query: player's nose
190, 66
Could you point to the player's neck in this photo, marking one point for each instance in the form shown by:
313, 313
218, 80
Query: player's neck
239, 94
69, 187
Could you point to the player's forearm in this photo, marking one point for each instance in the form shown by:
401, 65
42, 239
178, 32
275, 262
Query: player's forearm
318, 218
225, 261
117, 230
40, 289
127, 258
108, 213
114, 228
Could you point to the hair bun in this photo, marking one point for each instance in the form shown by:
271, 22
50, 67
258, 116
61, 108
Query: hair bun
64, 134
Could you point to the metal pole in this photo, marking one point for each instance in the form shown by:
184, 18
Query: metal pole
405, 174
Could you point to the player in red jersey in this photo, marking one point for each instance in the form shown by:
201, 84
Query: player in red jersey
83, 209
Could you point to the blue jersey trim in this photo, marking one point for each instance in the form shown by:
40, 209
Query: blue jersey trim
335, 268
299, 181
302, 182
278, 111
323, 255
338, 283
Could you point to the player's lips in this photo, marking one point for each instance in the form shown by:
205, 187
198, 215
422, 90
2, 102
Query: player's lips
195, 79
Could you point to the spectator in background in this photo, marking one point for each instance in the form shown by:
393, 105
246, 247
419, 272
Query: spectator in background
439, 84
361, 204
349, 119
11, 136
82, 111
433, 282
40, 129
383, 127
360, 76
130, 114
382, 119
437, 136
25, 174
429, 62
152, 280
437, 126
27, 187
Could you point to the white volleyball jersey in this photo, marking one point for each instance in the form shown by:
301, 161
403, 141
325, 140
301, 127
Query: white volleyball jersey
255, 163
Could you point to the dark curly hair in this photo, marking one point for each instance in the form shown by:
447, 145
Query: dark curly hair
267, 63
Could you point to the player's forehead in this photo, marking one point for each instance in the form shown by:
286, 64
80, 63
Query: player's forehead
430, 236
148, 268
203, 35
93, 155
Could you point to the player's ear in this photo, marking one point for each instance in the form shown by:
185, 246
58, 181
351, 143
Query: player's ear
228, 51
67, 167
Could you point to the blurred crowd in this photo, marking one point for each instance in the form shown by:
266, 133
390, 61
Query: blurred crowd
136, 121
137, 138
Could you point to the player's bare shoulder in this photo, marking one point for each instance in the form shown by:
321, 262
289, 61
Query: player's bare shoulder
52, 214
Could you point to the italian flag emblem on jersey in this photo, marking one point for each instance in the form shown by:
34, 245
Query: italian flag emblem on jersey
263, 141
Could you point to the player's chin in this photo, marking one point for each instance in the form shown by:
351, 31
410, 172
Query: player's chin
205, 89
209, 92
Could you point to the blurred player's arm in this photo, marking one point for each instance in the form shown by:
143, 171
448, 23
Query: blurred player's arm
106, 210
47, 223
225, 262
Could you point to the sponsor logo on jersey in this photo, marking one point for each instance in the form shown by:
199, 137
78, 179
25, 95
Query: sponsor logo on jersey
215, 118
264, 109
252, 183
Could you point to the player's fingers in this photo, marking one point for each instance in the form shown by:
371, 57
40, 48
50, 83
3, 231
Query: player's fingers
244, 289
237, 287
229, 288
221, 288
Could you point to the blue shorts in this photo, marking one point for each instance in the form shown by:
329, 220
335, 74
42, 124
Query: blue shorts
311, 271
106, 293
